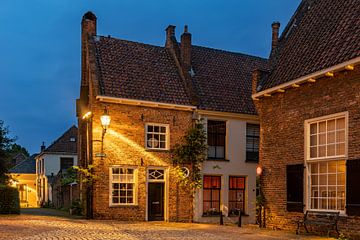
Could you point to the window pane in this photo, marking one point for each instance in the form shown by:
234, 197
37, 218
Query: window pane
313, 128
163, 129
220, 152
322, 127
331, 125
340, 136
322, 139
340, 123
332, 179
313, 140
150, 128
156, 129
340, 149
314, 180
331, 150
331, 137
314, 167
322, 151
323, 180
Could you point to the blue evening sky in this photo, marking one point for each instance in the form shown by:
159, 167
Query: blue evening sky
40, 48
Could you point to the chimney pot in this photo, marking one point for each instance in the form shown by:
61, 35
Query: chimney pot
275, 35
42, 147
170, 34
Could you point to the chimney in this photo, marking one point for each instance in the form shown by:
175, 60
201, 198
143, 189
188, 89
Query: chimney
88, 25
170, 36
186, 48
275, 35
42, 147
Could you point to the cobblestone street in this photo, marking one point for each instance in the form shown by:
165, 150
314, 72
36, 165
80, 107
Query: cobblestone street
34, 226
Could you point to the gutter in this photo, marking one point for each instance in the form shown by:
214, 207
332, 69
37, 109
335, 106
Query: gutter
127, 101
327, 72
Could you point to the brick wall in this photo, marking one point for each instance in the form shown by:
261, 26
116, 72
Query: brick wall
282, 119
124, 145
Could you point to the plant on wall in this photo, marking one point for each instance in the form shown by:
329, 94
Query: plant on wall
191, 152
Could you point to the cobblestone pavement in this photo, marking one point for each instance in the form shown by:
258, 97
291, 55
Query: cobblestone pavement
29, 227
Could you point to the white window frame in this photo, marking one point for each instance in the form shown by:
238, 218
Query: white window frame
167, 136
309, 160
135, 188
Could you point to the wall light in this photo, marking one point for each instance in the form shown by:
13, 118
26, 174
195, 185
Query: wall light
105, 120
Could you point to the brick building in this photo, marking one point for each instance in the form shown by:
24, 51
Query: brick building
309, 108
153, 95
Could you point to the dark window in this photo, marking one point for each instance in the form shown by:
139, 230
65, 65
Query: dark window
66, 163
252, 142
236, 195
211, 195
352, 191
295, 189
216, 133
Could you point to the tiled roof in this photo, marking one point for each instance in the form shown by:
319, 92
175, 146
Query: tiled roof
27, 166
138, 71
222, 80
321, 34
67, 143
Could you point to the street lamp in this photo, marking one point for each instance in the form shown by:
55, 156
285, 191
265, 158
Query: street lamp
105, 120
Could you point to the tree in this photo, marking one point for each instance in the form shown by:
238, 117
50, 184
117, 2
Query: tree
5, 145
16, 148
192, 151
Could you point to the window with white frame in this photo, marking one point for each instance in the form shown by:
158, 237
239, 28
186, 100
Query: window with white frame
326, 152
122, 181
157, 136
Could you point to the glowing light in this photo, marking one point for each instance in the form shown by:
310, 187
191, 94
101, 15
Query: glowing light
86, 115
329, 74
259, 170
105, 119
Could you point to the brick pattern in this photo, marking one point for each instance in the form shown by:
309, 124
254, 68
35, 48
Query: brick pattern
282, 137
124, 144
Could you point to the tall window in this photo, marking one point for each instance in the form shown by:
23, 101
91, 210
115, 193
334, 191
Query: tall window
216, 133
66, 163
122, 185
211, 195
252, 142
236, 195
157, 136
326, 152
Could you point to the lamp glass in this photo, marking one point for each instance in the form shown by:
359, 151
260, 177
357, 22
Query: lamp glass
105, 120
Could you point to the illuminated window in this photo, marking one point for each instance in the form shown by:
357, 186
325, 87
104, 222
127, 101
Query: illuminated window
326, 153
211, 195
236, 195
157, 136
123, 188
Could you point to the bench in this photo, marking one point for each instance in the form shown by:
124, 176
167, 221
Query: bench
320, 218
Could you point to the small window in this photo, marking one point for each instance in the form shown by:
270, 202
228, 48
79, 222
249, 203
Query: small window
66, 163
216, 135
72, 139
157, 136
122, 190
252, 142
156, 174
236, 195
211, 195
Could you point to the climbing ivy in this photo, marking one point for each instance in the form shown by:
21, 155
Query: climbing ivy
192, 151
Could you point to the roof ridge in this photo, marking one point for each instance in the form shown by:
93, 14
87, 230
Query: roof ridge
59, 138
227, 51
129, 41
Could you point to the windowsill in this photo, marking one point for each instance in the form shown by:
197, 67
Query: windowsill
123, 205
157, 150
252, 161
218, 160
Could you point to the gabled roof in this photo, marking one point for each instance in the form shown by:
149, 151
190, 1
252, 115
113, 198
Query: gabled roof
27, 166
67, 143
321, 34
221, 79
138, 71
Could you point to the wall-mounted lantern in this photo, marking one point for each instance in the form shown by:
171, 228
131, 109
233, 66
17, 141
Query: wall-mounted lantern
105, 120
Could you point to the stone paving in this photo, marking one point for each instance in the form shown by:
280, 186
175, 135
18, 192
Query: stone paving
35, 226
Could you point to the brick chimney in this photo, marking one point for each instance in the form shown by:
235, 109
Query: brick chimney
275, 35
42, 147
186, 48
170, 36
88, 28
